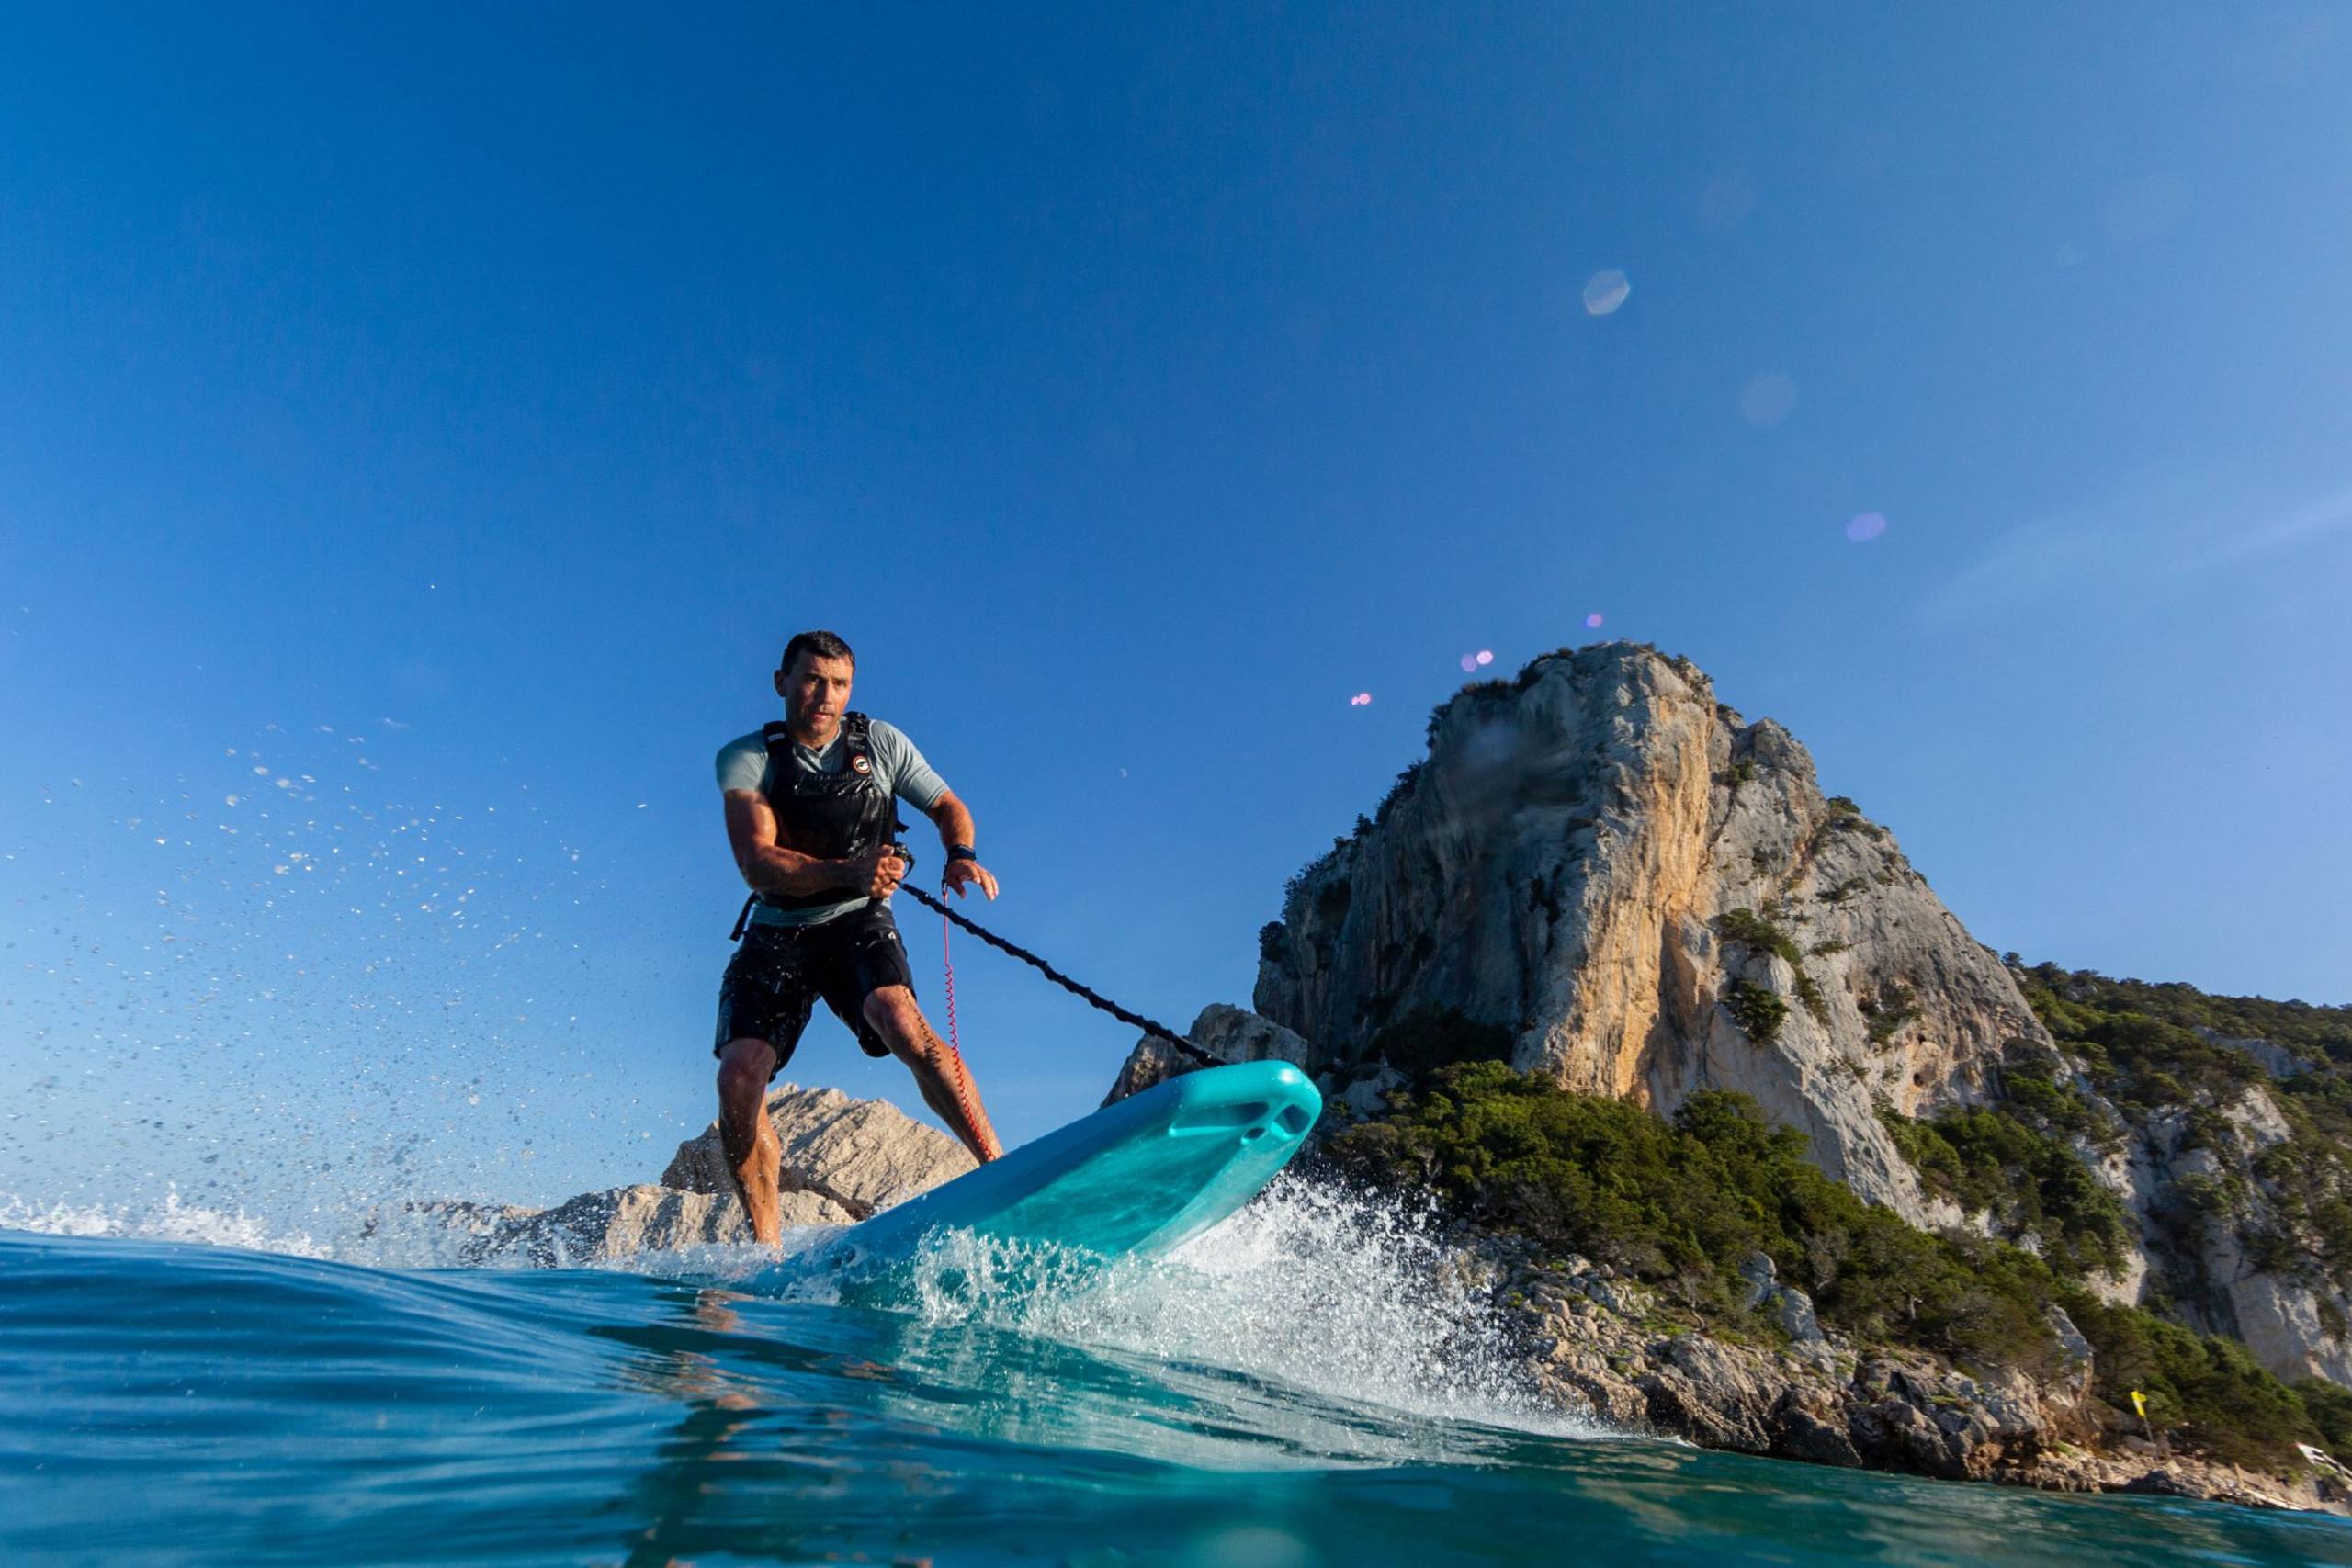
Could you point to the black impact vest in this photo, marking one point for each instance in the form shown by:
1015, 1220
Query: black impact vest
831, 816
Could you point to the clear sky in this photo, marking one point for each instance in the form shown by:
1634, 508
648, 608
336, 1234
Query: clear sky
425, 426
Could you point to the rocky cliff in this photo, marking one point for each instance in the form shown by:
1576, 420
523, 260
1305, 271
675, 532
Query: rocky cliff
1604, 875
1647, 894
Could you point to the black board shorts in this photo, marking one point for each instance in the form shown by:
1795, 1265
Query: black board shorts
773, 982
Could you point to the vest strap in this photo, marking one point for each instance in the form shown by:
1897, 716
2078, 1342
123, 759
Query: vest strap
857, 737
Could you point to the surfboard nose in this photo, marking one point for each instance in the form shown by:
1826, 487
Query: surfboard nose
1253, 1102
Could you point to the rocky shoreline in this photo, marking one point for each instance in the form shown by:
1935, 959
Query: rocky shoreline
1598, 1344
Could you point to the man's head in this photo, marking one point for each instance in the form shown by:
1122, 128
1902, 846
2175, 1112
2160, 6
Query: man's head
814, 679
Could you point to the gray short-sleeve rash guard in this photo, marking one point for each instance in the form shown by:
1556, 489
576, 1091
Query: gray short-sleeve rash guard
898, 767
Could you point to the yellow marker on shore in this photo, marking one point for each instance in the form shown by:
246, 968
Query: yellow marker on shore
2139, 1403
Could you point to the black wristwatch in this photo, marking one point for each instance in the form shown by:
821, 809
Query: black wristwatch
962, 852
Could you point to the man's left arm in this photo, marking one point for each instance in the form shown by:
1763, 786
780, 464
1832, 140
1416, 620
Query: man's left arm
957, 833
915, 781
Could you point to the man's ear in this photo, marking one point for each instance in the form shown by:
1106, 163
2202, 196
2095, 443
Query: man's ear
780, 690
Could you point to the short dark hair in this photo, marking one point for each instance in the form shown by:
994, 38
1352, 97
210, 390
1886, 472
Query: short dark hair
824, 645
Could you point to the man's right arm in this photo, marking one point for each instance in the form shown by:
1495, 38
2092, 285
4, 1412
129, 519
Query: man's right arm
768, 867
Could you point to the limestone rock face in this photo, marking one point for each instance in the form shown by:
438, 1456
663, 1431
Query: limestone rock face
2293, 1320
1228, 1033
1558, 866
859, 1155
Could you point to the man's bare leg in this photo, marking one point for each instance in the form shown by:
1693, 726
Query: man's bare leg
939, 1073
752, 1153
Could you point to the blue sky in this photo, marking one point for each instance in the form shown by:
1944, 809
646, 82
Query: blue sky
449, 414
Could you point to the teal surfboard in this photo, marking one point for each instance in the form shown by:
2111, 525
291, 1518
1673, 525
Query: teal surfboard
1136, 1179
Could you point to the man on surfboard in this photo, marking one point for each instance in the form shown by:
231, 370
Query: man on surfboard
812, 818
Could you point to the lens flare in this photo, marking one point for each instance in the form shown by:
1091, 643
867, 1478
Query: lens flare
1727, 202
1593, 620
1469, 662
1604, 291
1361, 700
1866, 527
1768, 399
1486, 656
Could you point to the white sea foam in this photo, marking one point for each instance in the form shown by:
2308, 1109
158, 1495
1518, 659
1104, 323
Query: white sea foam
1336, 1293
1345, 1296
170, 1220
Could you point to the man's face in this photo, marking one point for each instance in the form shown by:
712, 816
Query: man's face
816, 693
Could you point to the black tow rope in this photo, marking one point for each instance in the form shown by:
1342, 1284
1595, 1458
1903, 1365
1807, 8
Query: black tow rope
1084, 994
1133, 1020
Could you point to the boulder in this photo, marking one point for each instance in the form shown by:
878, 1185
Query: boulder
859, 1155
1761, 1275
1793, 1309
1228, 1033
1714, 1394
843, 1159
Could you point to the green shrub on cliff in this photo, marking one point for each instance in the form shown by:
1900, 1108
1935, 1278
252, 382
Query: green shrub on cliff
2330, 1408
1895, 1005
1986, 1159
2210, 1386
2316, 1034
1758, 1012
2032, 1092
1680, 1206
1754, 932
2138, 1055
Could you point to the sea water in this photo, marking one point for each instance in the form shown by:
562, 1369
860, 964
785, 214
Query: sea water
1301, 1386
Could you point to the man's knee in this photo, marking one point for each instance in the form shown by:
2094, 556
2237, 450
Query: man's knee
745, 1066
890, 1012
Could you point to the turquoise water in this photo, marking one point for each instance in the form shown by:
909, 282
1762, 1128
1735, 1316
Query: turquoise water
171, 1402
